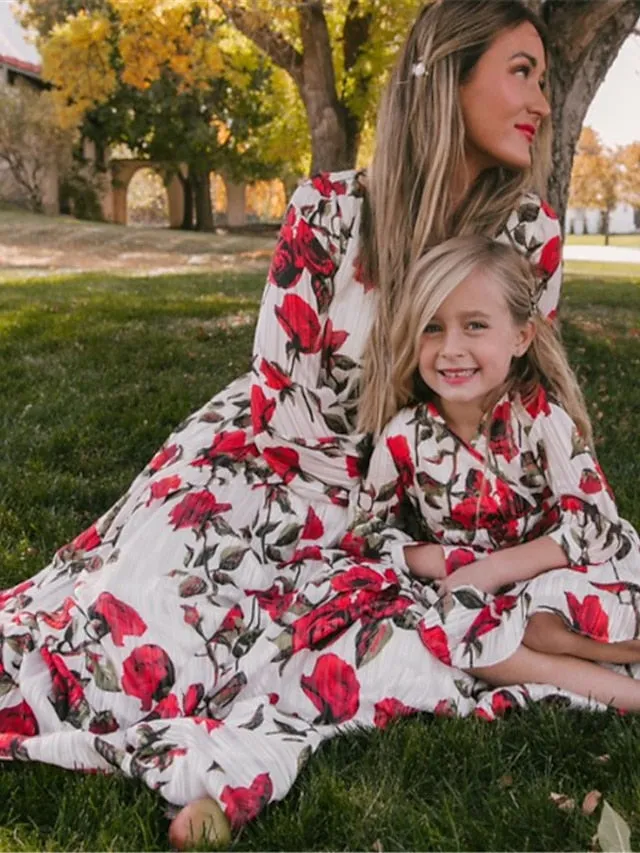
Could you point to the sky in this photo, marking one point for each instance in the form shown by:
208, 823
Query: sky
614, 112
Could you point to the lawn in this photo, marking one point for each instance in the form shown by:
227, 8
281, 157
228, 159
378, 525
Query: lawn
95, 370
628, 241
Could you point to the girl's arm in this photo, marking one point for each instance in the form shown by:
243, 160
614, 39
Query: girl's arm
584, 526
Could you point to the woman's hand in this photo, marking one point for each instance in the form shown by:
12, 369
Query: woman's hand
426, 560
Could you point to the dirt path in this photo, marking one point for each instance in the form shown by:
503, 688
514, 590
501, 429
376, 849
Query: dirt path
37, 245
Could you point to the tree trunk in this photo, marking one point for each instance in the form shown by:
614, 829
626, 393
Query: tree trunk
317, 86
585, 37
605, 223
187, 216
204, 209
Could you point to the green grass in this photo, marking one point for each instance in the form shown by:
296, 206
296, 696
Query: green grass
629, 241
95, 371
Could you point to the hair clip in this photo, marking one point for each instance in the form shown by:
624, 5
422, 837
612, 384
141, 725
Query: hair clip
419, 69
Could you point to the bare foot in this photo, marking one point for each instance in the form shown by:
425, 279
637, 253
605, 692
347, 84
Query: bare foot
200, 822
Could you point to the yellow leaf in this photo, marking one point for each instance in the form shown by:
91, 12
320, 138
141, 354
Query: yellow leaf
614, 834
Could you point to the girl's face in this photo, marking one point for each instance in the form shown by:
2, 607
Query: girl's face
503, 101
466, 349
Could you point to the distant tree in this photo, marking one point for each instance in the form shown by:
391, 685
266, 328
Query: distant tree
629, 174
594, 178
32, 145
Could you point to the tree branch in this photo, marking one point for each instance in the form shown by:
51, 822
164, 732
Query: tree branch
273, 44
576, 24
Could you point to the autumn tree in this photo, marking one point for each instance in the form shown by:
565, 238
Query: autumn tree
334, 52
32, 145
629, 174
170, 80
594, 177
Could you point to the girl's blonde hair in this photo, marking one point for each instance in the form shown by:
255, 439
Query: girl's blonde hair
431, 279
420, 144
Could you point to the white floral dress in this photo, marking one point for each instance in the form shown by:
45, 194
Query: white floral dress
199, 635
528, 474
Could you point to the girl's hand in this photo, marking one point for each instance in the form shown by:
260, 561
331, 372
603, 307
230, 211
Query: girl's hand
426, 561
477, 574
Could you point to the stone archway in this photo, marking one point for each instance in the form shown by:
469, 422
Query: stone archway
122, 171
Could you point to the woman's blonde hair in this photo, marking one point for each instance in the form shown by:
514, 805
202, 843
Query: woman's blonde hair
432, 278
420, 144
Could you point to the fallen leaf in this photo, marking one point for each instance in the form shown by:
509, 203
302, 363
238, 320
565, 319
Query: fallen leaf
377, 846
563, 802
603, 759
614, 835
505, 781
591, 802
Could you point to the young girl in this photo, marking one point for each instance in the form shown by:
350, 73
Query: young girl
488, 458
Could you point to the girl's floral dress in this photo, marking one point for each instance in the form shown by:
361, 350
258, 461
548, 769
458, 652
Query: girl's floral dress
202, 635
528, 474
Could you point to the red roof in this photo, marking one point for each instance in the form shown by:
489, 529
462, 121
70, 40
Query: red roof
20, 64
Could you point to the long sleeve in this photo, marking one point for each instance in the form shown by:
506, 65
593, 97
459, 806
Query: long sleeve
306, 360
385, 516
533, 228
587, 526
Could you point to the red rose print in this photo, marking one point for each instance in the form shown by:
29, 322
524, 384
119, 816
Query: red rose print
192, 698
501, 440
117, 617
373, 606
284, 461
244, 804
314, 256
301, 555
326, 187
18, 720
274, 377
435, 640
489, 617
354, 467
300, 323
226, 444
401, 455
103, 723
322, 625
87, 540
457, 558
616, 587
537, 404
359, 275
550, 257
14, 592
569, 503
191, 615
590, 482
332, 340
262, 409
334, 690
357, 577
390, 709
208, 723
286, 264
60, 618
273, 600
445, 708
546, 208
313, 526
167, 708
501, 702
588, 617
164, 457
148, 673
196, 510
67, 695
161, 488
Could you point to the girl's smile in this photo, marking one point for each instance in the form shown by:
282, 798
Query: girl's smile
466, 349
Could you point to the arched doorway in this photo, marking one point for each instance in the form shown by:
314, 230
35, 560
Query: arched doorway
147, 201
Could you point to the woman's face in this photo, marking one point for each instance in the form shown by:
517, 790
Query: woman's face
503, 101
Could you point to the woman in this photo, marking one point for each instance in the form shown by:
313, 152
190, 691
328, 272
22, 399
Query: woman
197, 635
